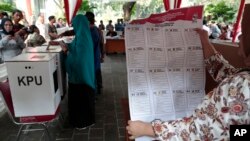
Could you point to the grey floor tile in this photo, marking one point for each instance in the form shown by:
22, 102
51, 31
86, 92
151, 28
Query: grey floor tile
80, 137
96, 139
121, 122
99, 124
111, 132
84, 131
96, 133
120, 115
65, 134
121, 138
110, 119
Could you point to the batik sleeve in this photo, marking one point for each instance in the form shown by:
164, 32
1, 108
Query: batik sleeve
219, 68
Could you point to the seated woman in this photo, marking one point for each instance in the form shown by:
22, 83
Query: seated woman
11, 44
228, 104
35, 39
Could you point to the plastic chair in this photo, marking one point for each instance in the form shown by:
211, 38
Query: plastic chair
25, 121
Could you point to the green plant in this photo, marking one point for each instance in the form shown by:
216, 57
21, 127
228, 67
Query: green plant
146, 8
85, 6
6, 7
221, 11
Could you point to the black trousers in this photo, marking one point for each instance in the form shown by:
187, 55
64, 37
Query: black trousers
81, 105
98, 75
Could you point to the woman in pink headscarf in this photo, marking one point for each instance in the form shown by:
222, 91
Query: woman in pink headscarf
228, 104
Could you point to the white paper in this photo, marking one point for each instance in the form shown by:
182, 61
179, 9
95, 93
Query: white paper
166, 74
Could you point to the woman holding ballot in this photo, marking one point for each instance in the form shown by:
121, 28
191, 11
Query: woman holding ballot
228, 104
81, 75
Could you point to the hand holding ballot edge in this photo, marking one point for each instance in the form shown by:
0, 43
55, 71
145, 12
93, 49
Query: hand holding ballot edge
139, 128
208, 48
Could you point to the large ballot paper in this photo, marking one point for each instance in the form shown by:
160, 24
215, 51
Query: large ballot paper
166, 74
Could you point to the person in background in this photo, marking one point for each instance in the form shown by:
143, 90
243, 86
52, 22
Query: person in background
97, 39
122, 25
11, 44
225, 33
111, 32
32, 20
35, 39
205, 27
2, 15
60, 23
52, 28
228, 104
81, 75
215, 30
118, 25
24, 20
5, 15
101, 30
101, 25
41, 25
17, 27
17, 17
109, 26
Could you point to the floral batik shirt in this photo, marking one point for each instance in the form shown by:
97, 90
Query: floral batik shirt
228, 104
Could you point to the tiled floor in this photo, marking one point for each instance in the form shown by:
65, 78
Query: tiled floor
110, 125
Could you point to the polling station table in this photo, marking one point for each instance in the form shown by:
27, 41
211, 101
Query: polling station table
115, 45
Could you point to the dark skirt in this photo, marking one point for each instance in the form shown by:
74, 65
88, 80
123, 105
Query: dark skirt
81, 105
98, 75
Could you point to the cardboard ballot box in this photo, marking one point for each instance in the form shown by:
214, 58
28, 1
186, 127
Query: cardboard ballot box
62, 81
33, 79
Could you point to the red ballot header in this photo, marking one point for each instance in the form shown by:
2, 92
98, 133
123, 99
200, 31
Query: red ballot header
188, 13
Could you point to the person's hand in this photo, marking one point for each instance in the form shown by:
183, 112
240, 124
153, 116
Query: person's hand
54, 43
22, 31
208, 48
202, 33
138, 129
16, 36
10, 37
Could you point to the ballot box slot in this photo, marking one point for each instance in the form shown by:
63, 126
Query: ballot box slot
55, 80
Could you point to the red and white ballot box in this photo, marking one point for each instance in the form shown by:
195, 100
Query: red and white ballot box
62, 81
33, 79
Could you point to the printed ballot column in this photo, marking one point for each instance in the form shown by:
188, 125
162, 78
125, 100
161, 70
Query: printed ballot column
33, 82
